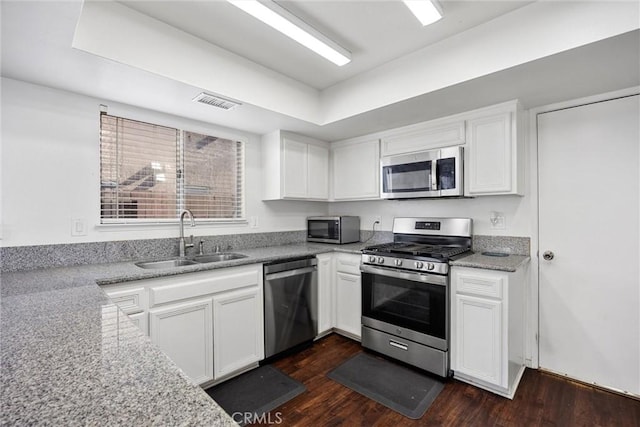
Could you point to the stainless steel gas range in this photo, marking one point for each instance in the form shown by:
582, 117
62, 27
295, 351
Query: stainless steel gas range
405, 290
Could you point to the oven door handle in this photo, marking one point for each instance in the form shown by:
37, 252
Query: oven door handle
433, 279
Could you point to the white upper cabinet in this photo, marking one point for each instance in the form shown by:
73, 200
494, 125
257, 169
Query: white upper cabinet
495, 151
355, 169
317, 172
294, 167
423, 136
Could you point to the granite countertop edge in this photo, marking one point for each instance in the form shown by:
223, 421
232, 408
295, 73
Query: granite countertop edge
509, 263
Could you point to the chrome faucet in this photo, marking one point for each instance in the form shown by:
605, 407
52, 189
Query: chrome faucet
184, 245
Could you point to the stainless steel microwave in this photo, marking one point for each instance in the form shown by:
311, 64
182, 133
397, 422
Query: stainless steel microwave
333, 229
433, 173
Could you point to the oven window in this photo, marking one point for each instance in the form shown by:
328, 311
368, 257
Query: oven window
412, 305
407, 177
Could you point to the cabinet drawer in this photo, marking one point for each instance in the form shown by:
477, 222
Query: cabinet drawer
480, 283
205, 283
129, 300
346, 263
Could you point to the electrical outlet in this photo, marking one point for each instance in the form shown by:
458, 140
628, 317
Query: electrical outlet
377, 219
497, 220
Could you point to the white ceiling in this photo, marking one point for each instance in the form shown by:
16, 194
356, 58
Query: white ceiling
375, 32
37, 37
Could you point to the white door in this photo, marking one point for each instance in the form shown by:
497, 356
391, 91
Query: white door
294, 159
589, 194
318, 172
238, 331
478, 340
184, 332
356, 171
349, 303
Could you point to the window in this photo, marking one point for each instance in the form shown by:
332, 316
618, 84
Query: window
149, 173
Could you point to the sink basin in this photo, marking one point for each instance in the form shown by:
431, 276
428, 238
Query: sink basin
217, 257
169, 263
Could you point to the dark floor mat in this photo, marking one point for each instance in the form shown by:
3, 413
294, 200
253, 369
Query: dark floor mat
250, 395
396, 387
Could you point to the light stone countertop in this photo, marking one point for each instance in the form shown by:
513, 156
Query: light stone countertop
69, 356
510, 263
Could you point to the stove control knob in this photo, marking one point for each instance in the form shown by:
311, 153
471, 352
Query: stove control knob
430, 266
419, 264
372, 258
398, 262
380, 260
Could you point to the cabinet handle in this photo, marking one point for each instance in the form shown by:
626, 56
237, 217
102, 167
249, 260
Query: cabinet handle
398, 345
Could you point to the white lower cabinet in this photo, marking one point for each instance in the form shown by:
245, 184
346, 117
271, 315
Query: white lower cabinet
339, 294
479, 338
348, 304
487, 330
326, 292
184, 331
210, 323
237, 330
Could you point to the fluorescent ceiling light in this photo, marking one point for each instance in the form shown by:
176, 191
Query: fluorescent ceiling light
427, 11
290, 25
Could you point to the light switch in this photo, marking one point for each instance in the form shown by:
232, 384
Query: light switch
78, 227
253, 221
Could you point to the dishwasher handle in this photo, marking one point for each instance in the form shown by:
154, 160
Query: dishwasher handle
290, 273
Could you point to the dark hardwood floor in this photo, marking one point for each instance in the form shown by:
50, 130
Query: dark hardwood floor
541, 400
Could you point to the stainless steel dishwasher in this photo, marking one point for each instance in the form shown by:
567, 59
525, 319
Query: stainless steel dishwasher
290, 304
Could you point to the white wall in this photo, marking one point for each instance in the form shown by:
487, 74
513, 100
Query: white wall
516, 209
50, 171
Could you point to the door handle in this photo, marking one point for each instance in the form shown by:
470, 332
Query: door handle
548, 255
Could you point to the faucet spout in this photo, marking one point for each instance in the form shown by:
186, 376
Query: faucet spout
183, 244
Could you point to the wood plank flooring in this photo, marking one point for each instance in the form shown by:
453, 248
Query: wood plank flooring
541, 400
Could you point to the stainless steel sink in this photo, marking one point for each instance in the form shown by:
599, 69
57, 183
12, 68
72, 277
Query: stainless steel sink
217, 257
180, 262
169, 263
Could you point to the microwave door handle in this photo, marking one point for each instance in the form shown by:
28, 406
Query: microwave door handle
434, 175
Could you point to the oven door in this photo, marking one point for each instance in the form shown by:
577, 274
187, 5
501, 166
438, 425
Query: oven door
413, 305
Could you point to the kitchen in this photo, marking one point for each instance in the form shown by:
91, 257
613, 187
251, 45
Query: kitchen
51, 97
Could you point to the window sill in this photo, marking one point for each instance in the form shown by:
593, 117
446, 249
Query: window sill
115, 226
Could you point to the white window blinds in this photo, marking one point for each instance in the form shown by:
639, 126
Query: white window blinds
149, 173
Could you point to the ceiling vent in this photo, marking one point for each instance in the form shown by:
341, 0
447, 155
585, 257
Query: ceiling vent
216, 101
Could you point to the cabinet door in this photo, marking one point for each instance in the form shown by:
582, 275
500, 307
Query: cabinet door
184, 332
294, 165
141, 321
490, 146
356, 171
477, 339
326, 289
424, 136
238, 332
318, 172
349, 303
